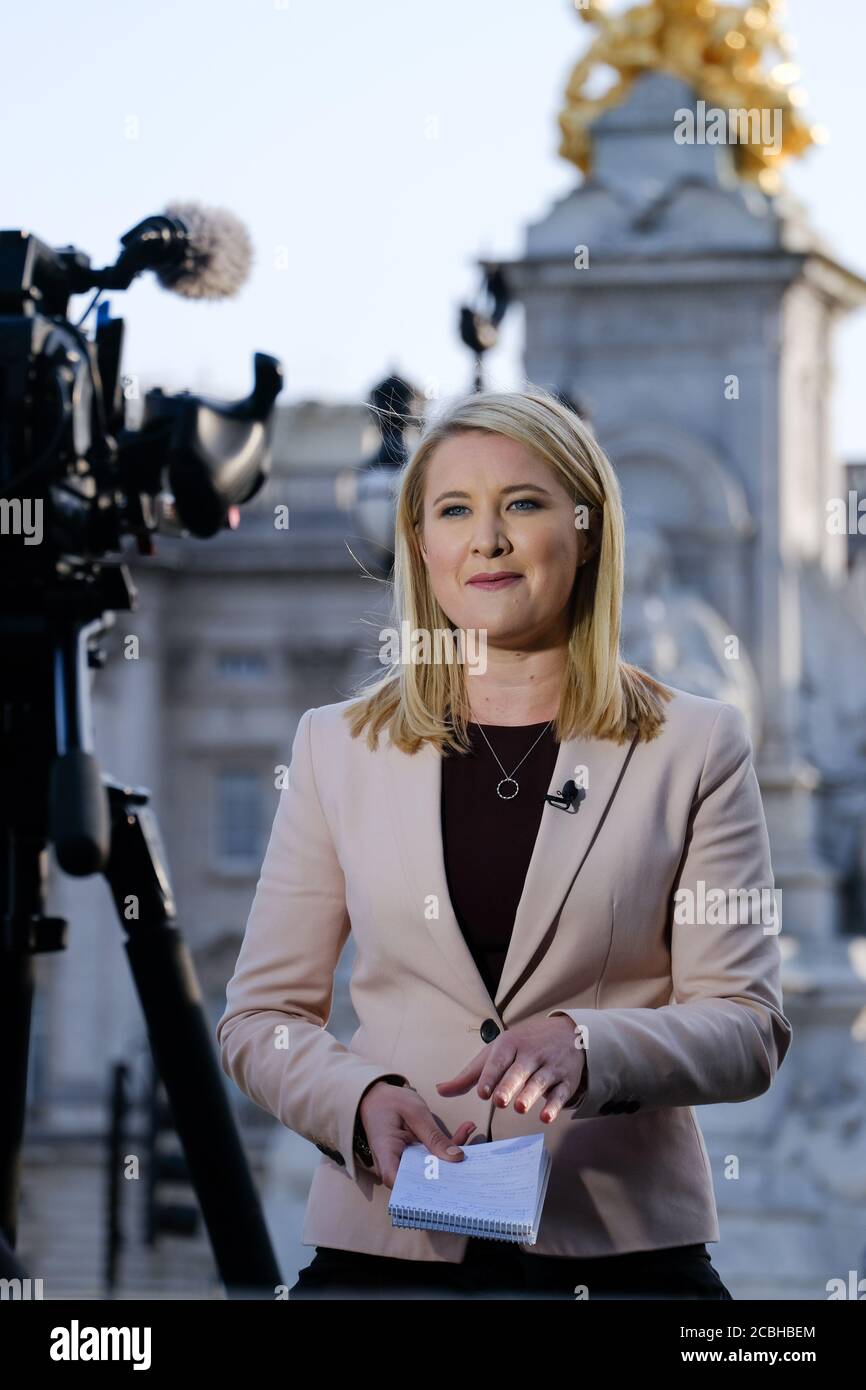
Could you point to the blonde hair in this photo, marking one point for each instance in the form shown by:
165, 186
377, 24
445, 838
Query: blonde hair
602, 696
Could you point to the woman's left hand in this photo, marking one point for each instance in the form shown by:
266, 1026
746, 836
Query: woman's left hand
533, 1060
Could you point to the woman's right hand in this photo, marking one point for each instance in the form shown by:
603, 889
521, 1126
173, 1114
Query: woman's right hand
394, 1117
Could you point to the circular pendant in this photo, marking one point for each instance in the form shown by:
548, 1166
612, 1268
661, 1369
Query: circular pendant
513, 794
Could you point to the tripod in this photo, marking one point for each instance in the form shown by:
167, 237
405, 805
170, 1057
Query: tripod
51, 791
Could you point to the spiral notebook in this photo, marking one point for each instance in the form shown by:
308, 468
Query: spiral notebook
496, 1192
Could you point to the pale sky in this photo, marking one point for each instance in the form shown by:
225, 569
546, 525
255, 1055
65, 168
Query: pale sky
311, 119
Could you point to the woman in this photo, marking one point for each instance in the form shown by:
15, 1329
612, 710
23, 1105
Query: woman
526, 962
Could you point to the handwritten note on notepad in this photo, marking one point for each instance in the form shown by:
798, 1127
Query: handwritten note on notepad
497, 1191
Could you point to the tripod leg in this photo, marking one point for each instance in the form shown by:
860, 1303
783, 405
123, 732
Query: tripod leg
184, 1050
10, 1265
16, 999
23, 931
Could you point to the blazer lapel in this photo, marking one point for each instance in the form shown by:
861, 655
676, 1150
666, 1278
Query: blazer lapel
563, 842
413, 795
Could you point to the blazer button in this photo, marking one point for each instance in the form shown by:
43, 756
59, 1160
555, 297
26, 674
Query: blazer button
489, 1030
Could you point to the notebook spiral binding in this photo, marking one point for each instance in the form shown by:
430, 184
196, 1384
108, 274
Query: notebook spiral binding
417, 1218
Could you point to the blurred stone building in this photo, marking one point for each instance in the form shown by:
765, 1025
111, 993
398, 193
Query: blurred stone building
697, 337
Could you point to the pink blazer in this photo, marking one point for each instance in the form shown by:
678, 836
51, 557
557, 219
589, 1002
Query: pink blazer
678, 999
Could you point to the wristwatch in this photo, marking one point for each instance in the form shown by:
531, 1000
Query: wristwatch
359, 1141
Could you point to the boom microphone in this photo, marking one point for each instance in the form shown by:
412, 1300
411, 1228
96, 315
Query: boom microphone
196, 251
217, 253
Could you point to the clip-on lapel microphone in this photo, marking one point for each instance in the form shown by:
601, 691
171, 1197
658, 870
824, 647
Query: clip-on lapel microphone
568, 799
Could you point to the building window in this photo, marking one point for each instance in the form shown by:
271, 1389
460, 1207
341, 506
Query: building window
241, 665
239, 817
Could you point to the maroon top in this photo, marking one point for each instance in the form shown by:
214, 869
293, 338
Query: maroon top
487, 841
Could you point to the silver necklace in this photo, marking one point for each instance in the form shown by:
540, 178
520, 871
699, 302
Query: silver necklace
505, 776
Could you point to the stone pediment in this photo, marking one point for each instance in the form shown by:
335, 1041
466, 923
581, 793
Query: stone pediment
684, 216
649, 195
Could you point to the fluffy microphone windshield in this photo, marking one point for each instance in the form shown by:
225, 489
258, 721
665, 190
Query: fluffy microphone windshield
218, 255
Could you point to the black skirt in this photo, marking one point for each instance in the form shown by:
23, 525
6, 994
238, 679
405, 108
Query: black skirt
499, 1269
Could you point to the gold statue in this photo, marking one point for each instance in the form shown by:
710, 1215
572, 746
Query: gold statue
717, 49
